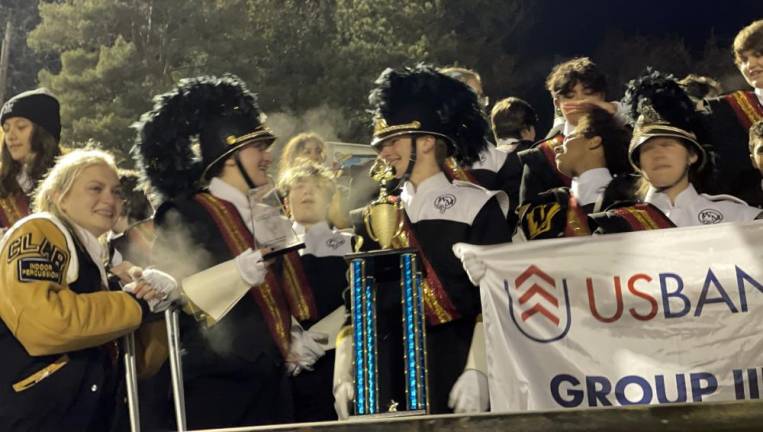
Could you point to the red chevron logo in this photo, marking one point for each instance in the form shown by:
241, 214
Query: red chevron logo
542, 287
538, 308
534, 271
538, 290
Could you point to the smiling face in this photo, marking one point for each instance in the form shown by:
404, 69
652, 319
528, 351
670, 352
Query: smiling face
309, 200
397, 152
18, 137
256, 159
94, 200
750, 63
664, 161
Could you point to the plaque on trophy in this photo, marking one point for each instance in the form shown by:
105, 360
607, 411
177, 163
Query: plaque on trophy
387, 308
273, 229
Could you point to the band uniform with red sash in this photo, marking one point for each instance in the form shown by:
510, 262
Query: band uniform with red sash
577, 220
268, 294
643, 216
12, 208
746, 106
297, 289
438, 307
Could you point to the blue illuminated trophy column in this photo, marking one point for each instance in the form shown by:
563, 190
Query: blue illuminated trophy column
363, 288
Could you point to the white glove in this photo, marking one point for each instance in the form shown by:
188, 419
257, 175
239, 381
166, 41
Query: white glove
343, 386
343, 395
470, 393
251, 267
305, 349
475, 268
165, 285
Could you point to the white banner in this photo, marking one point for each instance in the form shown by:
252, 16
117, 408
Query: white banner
653, 317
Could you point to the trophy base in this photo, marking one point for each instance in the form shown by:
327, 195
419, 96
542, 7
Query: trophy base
391, 414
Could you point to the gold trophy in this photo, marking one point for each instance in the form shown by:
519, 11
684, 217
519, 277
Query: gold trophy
382, 218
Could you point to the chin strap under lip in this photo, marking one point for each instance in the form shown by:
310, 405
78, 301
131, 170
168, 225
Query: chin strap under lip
409, 168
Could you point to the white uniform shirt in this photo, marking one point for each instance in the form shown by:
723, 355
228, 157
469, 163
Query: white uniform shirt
692, 208
438, 199
321, 241
590, 185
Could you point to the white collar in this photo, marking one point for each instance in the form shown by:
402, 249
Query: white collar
94, 248
507, 144
759, 94
320, 227
223, 190
661, 200
435, 182
587, 187
227, 192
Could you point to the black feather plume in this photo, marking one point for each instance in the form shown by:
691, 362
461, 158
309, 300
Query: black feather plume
441, 103
663, 93
163, 147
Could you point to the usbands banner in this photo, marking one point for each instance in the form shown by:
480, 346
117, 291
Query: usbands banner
653, 317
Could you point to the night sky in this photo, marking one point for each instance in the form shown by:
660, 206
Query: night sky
562, 30
571, 28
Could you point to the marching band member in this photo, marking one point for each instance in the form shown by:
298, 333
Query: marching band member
595, 156
315, 280
60, 322
422, 117
238, 341
576, 87
730, 116
666, 150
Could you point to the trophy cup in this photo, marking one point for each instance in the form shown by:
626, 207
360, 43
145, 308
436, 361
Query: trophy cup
383, 218
389, 340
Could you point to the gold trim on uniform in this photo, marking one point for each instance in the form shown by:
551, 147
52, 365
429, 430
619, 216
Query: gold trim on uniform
41, 374
539, 218
261, 131
382, 128
642, 217
746, 106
